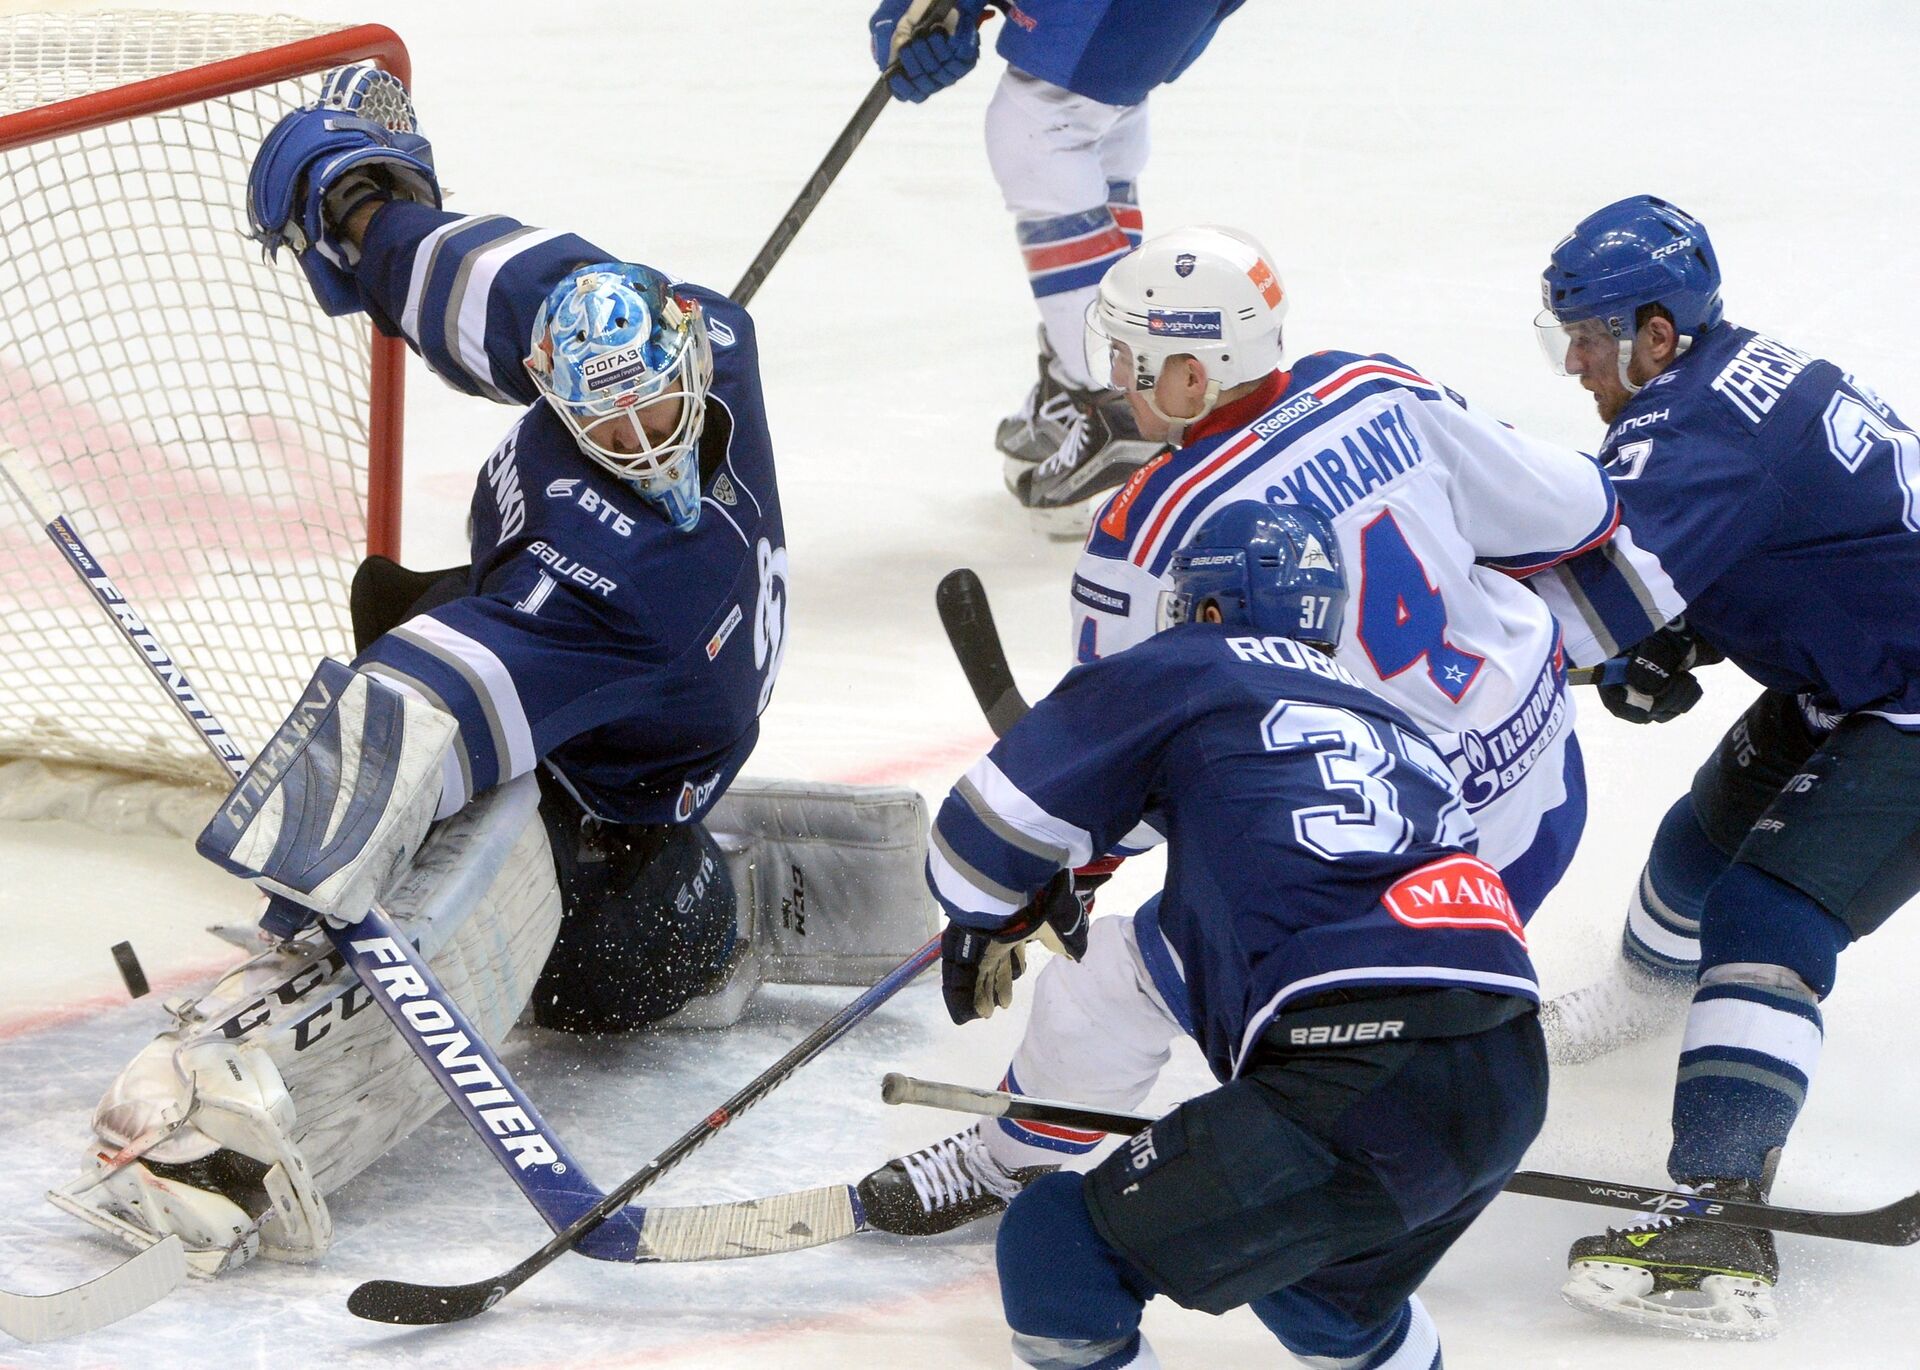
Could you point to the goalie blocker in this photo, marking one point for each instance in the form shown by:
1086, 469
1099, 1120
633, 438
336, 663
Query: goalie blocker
275, 1087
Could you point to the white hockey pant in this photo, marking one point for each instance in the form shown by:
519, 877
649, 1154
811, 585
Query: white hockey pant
1056, 155
1099, 1034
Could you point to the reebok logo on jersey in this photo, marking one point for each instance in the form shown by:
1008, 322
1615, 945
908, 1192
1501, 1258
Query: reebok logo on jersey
1461, 892
1275, 419
1114, 521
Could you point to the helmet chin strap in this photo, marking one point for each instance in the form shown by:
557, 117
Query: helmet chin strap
1177, 428
1680, 346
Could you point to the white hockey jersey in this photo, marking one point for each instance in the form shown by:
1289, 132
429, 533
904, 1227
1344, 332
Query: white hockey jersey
1439, 510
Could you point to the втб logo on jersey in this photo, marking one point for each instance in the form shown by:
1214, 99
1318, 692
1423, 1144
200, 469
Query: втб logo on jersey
604, 511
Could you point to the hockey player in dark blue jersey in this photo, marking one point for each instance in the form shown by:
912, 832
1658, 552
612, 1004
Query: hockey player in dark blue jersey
1321, 888
1770, 515
617, 635
1067, 140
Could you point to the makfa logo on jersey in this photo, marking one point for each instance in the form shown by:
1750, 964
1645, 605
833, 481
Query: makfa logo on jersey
1456, 892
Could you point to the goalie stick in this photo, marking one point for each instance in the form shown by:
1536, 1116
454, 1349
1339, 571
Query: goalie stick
123, 1291
399, 1301
1894, 1224
395, 975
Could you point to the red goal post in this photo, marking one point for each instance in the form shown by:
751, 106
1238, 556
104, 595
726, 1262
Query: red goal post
230, 450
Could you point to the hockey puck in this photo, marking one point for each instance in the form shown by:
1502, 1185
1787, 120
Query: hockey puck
130, 972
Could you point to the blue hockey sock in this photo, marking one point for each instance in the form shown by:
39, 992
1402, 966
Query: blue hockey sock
1070, 1299
1662, 935
1321, 1334
1754, 1033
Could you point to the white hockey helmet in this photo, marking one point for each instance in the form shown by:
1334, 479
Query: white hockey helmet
1208, 292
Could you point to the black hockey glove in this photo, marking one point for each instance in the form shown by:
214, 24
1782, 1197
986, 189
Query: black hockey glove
978, 968
1652, 682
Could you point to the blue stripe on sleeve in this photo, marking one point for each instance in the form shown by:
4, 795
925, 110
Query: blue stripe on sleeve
1611, 597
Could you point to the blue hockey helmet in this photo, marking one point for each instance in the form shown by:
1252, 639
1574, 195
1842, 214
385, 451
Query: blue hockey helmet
1635, 252
1271, 568
613, 347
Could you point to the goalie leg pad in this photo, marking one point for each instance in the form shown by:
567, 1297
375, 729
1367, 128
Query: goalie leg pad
283, 1080
835, 876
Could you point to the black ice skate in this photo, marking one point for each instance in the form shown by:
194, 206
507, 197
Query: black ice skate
1681, 1274
1102, 447
941, 1187
1034, 431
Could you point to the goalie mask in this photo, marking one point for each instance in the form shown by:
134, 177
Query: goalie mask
626, 364
1207, 293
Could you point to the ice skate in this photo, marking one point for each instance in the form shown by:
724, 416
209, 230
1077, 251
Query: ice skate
1034, 431
1622, 1006
1100, 449
1680, 1274
943, 1186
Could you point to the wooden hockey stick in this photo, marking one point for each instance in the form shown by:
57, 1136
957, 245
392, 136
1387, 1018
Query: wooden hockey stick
1894, 1224
817, 185
123, 1291
394, 973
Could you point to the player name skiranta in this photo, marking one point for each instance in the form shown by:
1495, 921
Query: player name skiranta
470, 1073
1376, 452
1759, 375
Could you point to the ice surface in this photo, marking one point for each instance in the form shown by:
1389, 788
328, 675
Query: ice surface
1410, 165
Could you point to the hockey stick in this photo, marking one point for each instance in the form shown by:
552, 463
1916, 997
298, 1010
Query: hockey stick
399, 1301
817, 185
964, 612
968, 619
123, 1291
393, 971
1895, 1224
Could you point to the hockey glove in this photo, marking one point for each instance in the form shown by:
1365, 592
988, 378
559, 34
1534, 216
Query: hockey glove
930, 61
320, 164
1652, 682
978, 966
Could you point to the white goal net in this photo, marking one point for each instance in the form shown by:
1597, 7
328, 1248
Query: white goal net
228, 451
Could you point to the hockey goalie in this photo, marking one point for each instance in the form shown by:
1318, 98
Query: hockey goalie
530, 763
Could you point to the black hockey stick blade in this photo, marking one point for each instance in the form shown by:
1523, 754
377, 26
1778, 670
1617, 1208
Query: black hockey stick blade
965, 614
1895, 1224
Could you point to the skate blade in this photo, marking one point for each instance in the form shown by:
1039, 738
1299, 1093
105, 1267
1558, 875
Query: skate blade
1724, 1306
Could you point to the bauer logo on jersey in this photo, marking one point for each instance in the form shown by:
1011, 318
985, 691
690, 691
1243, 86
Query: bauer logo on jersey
1185, 323
1461, 892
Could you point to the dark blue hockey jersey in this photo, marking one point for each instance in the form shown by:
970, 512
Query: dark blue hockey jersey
1113, 51
1775, 501
1314, 836
632, 659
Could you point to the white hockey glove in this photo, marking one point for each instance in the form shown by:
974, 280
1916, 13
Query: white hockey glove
338, 800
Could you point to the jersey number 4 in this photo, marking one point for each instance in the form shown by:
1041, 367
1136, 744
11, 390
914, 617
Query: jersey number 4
1403, 618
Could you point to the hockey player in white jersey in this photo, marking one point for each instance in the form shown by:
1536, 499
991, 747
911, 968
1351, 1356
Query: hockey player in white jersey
532, 761
1066, 136
1439, 511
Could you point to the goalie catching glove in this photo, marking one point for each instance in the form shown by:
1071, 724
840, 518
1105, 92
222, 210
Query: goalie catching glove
357, 145
979, 965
